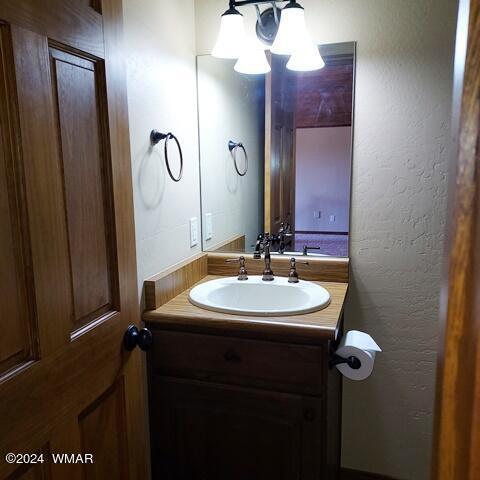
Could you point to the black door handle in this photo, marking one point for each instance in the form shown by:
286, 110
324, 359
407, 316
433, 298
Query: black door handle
133, 337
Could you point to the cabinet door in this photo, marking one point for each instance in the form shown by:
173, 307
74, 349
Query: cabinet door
215, 432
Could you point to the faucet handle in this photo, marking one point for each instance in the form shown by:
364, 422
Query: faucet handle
286, 229
306, 248
242, 271
293, 275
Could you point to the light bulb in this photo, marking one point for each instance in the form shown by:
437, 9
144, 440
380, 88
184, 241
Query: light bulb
292, 28
231, 36
306, 57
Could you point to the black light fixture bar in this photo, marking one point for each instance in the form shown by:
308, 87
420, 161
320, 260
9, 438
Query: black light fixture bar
241, 3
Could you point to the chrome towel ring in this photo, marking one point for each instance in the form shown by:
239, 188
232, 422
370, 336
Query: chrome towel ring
155, 137
233, 146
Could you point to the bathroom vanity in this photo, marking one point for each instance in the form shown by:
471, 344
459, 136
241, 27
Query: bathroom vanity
238, 397
239, 392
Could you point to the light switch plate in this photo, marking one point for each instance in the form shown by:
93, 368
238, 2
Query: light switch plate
208, 226
193, 231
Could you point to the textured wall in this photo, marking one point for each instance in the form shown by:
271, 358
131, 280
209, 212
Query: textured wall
401, 136
231, 107
161, 76
322, 178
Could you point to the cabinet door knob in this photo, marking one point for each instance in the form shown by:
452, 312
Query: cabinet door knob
309, 414
231, 356
133, 337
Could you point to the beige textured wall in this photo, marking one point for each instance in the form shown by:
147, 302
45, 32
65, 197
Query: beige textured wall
401, 137
161, 82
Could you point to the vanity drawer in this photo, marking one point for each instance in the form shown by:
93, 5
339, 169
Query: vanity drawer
240, 361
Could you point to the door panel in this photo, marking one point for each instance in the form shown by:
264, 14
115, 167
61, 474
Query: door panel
97, 423
17, 342
68, 244
71, 22
44, 190
81, 111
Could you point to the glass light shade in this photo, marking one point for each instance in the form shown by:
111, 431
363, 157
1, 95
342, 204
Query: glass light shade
292, 28
253, 60
306, 58
231, 36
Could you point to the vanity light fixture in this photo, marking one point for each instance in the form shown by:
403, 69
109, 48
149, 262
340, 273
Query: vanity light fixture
231, 37
306, 58
252, 60
284, 32
291, 31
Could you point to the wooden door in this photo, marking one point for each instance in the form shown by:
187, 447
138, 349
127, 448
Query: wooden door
456, 452
217, 432
280, 146
67, 250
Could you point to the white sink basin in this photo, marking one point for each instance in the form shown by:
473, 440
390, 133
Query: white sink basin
258, 298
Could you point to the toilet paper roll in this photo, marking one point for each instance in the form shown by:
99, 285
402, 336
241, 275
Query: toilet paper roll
362, 346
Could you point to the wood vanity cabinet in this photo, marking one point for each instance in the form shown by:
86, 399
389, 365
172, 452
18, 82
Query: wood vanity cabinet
227, 407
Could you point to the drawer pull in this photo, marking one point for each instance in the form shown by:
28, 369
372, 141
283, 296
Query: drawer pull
309, 414
231, 356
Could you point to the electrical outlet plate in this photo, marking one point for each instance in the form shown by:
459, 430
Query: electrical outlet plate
193, 232
208, 226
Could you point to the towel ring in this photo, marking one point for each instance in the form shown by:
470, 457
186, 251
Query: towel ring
155, 137
232, 146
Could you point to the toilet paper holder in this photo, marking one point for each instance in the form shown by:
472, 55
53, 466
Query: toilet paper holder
352, 361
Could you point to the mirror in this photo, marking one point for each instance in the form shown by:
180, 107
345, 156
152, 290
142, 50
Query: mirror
276, 154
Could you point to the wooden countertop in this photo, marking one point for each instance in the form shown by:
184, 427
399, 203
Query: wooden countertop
321, 325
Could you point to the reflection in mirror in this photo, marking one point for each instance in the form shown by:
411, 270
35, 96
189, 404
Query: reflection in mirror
275, 155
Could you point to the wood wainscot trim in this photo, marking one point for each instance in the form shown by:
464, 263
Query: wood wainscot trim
233, 244
325, 269
169, 283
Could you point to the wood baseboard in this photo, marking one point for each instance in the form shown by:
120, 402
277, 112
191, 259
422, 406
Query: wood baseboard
349, 474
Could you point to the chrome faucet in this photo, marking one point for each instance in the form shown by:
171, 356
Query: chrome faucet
267, 272
264, 241
242, 271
